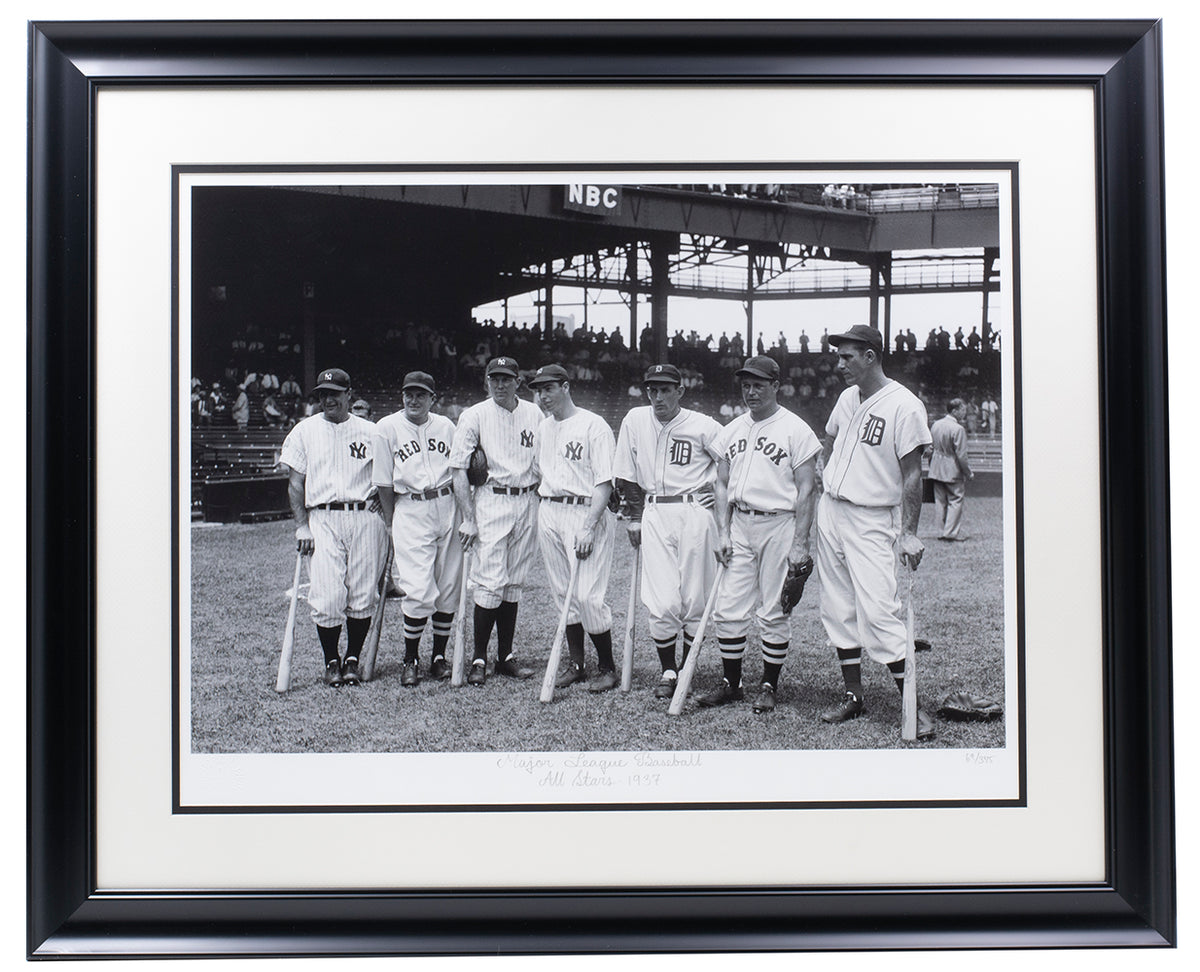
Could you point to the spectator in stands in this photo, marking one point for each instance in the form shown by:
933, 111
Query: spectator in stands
974, 340
960, 341
912, 340
241, 409
943, 339
726, 410
931, 342
972, 416
949, 469
900, 341
736, 347
362, 408
646, 340
803, 342
274, 415
200, 413
761, 350
990, 415
218, 405
825, 341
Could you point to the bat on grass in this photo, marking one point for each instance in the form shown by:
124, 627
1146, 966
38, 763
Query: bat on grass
908, 722
559, 634
689, 666
371, 645
284, 681
459, 652
631, 623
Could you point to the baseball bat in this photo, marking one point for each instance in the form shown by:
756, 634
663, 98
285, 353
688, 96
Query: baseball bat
459, 654
371, 646
908, 723
284, 681
689, 666
559, 634
631, 623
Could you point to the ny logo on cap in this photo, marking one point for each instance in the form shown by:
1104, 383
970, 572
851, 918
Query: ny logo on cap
328, 376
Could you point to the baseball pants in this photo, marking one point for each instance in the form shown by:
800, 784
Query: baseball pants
349, 549
505, 545
678, 565
948, 501
754, 577
558, 525
429, 554
856, 563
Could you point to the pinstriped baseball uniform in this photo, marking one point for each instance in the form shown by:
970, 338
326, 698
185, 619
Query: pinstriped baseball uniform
349, 545
763, 457
675, 459
412, 460
506, 522
858, 518
575, 456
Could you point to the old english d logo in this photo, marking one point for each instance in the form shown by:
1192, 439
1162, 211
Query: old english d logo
358, 450
681, 452
872, 430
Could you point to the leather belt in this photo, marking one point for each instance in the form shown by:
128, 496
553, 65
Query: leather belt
749, 512
429, 494
680, 498
360, 505
513, 490
569, 500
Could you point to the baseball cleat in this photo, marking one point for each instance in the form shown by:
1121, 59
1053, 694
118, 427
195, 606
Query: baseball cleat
765, 700
511, 668
438, 669
350, 674
478, 673
723, 694
851, 707
604, 682
333, 674
925, 726
666, 687
573, 674
409, 676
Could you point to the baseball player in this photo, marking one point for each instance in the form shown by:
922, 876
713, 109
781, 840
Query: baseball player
666, 468
498, 517
768, 467
575, 458
950, 469
333, 502
413, 476
868, 514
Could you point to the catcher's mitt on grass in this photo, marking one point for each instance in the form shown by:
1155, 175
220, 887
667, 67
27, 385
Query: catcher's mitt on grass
477, 468
793, 584
965, 707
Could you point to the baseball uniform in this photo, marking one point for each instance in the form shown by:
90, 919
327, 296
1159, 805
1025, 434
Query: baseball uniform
858, 517
948, 471
349, 539
575, 455
763, 458
414, 462
675, 465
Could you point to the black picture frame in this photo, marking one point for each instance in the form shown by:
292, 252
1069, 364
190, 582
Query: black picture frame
1119, 60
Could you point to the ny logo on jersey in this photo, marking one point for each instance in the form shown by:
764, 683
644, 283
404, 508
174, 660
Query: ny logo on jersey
574, 450
681, 452
872, 430
358, 450
527, 438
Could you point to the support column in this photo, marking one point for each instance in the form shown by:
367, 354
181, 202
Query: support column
631, 276
750, 349
885, 270
873, 317
990, 255
660, 284
308, 339
548, 303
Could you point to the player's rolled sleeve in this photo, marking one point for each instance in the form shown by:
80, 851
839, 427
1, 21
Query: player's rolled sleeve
466, 438
624, 461
603, 447
912, 430
382, 463
293, 454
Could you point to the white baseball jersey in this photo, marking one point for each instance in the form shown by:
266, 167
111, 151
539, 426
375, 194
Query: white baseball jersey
334, 458
870, 437
509, 440
412, 458
668, 459
763, 457
574, 455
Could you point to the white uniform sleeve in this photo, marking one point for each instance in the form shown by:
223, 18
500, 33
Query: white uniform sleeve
293, 454
805, 444
624, 460
466, 438
602, 447
912, 429
713, 439
383, 464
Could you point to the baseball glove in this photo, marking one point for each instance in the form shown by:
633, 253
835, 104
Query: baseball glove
477, 468
965, 707
793, 584
633, 498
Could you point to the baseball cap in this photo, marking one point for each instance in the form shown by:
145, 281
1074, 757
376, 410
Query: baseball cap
760, 367
333, 378
869, 336
549, 373
419, 379
665, 373
503, 366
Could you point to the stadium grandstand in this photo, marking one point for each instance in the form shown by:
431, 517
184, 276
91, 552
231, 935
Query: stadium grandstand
383, 280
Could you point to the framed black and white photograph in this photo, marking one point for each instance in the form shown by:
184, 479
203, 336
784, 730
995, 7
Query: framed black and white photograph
836, 340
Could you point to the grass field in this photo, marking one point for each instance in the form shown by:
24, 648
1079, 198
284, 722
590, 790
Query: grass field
241, 573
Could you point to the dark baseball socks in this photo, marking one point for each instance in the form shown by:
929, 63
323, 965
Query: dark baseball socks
851, 662
504, 620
